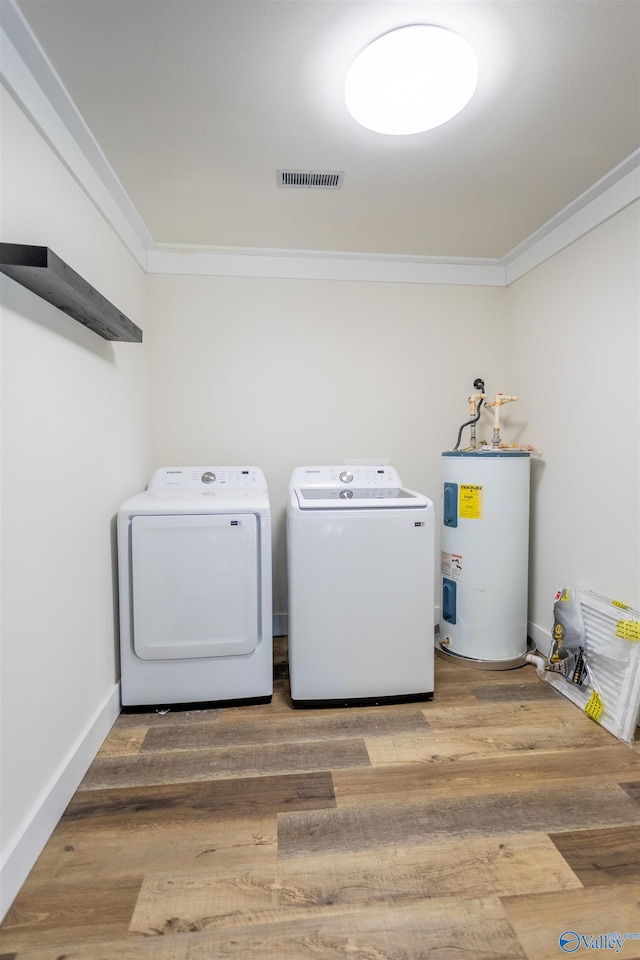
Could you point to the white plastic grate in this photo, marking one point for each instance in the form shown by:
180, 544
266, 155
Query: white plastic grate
613, 662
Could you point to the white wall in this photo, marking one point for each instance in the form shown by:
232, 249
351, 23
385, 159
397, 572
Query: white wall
574, 357
284, 373
75, 443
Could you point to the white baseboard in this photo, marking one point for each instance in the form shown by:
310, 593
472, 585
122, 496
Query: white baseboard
541, 638
24, 852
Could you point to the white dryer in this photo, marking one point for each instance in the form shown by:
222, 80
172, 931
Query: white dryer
194, 556
360, 551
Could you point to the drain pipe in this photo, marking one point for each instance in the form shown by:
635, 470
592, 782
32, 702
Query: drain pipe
538, 662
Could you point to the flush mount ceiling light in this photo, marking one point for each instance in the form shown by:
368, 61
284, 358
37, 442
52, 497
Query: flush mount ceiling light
410, 80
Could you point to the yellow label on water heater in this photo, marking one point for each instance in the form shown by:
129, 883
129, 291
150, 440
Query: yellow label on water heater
470, 501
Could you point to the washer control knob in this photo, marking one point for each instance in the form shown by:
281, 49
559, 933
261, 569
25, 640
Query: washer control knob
346, 476
208, 477
346, 494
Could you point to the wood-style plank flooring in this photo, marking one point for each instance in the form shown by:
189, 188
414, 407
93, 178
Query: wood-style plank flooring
479, 826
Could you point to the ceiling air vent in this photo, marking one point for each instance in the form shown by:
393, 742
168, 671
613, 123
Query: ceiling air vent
310, 178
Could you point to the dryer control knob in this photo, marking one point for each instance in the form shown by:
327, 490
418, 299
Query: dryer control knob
208, 477
346, 494
346, 476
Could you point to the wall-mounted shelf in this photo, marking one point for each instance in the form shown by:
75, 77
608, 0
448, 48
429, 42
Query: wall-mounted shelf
44, 273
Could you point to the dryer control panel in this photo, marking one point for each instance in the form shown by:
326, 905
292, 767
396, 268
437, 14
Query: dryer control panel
207, 478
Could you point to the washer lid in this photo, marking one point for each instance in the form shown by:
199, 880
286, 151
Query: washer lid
318, 498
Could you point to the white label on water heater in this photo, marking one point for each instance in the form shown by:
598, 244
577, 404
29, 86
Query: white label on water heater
451, 565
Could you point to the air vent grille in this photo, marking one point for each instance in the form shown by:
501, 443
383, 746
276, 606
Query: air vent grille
322, 179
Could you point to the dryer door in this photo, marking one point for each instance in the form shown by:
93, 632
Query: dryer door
194, 586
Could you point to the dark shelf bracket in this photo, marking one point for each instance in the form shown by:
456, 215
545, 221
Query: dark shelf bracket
45, 274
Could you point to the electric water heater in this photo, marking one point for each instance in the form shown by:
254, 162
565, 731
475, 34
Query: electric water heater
485, 553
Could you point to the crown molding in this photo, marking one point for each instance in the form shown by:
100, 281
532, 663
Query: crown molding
615, 191
320, 265
29, 76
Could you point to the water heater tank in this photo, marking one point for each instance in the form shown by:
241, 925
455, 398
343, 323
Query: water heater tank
485, 554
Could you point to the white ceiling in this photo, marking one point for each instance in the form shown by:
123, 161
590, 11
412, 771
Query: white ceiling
197, 103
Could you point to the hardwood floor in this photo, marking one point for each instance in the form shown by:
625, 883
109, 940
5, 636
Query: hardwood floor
479, 826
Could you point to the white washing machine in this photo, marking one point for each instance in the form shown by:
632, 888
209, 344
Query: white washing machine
360, 551
194, 555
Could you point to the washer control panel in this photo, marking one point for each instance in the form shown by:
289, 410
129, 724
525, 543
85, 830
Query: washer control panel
345, 476
207, 478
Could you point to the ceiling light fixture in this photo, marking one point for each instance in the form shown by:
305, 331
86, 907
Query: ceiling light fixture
412, 79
